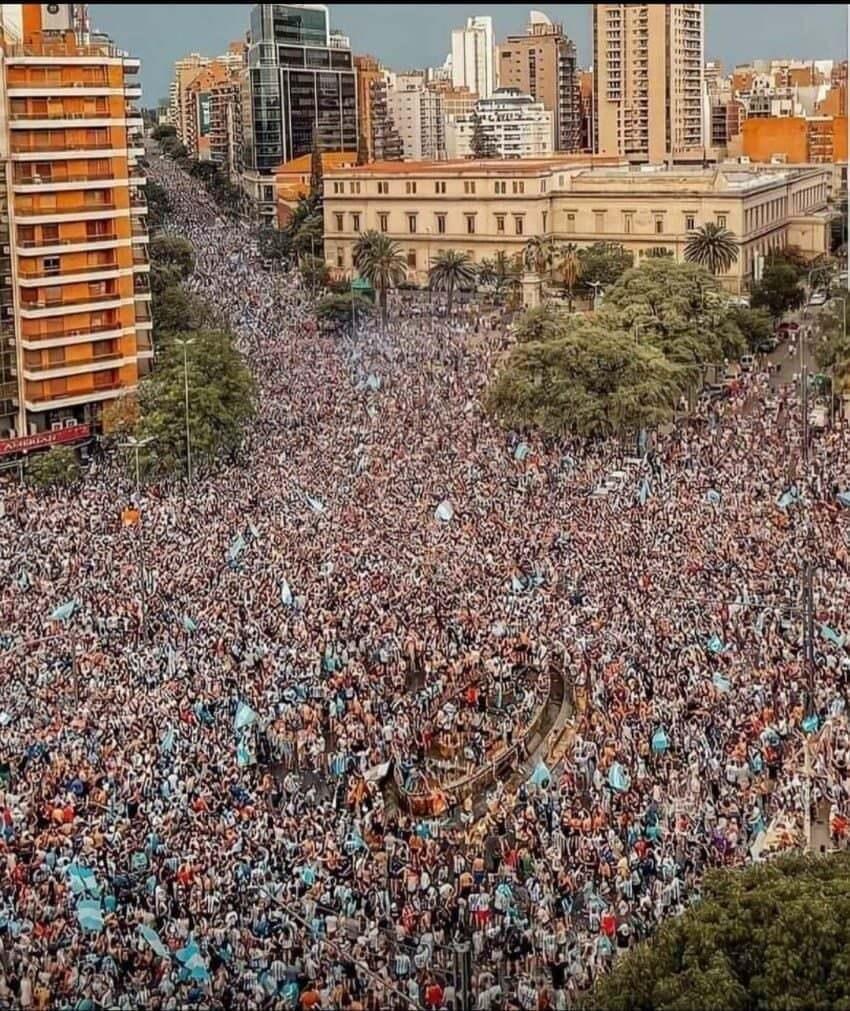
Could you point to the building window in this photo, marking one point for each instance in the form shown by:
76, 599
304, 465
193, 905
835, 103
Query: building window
355, 222
383, 188
570, 226
542, 185
628, 221
545, 216
340, 257
721, 220
469, 186
268, 194
518, 187
354, 187
470, 224
659, 225
410, 189
501, 187
411, 258
599, 221
500, 223
411, 224
441, 224
383, 222
519, 224
339, 225
50, 265
439, 187
340, 187
690, 222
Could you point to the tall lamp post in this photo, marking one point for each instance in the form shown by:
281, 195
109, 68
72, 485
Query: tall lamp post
136, 445
185, 344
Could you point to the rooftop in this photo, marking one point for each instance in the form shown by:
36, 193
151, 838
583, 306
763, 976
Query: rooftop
490, 166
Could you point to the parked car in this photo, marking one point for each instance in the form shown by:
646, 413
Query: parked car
817, 298
768, 344
788, 327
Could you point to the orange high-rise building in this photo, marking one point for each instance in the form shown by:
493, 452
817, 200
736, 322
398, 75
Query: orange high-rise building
78, 226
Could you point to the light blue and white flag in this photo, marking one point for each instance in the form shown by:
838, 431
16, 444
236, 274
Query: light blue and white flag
166, 744
90, 915
245, 716
65, 611
618, 778
713, 497
521, 452
832, 636
193, 962
715, 644
189, 624
445, 511
788, 498
236, 548
152, 938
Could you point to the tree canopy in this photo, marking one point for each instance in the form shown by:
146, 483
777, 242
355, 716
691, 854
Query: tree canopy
338, 311
221, 401
381, 262
590, 381
779, 291
58, 467
450, 270
774, 937
604, 263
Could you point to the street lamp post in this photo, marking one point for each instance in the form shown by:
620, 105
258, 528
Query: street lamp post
185, 345
136, 445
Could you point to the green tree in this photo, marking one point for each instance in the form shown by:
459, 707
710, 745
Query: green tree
832, 350
569, 266
308, 236
482, 145
222, 400
544, 323
604, 263
681, 309
57, 468
755, 325
779, 290
590, 381
451, 269
177, 311
338, 311
382, 263
712, 247
173, 148
173, 251
773, 936
159, 205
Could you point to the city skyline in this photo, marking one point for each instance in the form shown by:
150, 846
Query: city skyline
730, 30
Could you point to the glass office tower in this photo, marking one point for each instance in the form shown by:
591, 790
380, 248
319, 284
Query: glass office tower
301, 80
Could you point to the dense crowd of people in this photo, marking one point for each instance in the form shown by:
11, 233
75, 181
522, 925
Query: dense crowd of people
208, 814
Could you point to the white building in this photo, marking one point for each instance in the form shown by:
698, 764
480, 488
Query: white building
417, 113
517, 126
474, 56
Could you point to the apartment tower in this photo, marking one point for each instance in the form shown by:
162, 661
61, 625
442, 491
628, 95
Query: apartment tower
78, 260
648, 80
542, 63
474, 57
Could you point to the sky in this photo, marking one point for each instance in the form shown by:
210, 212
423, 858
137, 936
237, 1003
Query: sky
417, 35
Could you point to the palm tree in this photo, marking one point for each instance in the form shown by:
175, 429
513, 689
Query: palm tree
538, 253
487, 273
381, 262
450, 270
569, 265
712, 247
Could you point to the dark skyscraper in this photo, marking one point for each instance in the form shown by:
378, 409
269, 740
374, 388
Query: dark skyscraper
300, 83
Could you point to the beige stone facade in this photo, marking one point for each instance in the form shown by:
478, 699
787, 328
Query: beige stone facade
486, 207
648, 64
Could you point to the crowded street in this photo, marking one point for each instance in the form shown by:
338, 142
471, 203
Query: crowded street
206, 805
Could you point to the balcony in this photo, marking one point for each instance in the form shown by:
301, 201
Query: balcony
67, 153
58, 337
81, 244
56, 401
39, 183
47, 309
140, 235
40, 147
33, 278
51, 370
82, 212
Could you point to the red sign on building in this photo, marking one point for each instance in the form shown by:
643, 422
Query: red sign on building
53, 438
